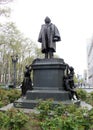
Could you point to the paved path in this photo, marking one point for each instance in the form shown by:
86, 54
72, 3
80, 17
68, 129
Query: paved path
5, 108
84, 104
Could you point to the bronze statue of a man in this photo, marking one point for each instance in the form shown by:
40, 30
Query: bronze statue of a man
48, 36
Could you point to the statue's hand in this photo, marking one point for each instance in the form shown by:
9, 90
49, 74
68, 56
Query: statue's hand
55, 39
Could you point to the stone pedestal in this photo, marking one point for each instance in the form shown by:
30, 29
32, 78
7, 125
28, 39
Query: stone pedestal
48, 74
47, 83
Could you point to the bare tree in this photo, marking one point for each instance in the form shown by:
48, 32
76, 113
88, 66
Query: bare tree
5, 11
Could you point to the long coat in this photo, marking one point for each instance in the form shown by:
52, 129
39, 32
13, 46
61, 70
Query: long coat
52, 33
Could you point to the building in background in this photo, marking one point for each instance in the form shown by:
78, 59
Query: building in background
90, 63
85, 80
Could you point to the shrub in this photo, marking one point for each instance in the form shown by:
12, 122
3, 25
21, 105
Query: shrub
13, 120
82, 94
1, 104
91, 94
13, 95
60, 116
17, 119
3, 121
45, 108
8, 96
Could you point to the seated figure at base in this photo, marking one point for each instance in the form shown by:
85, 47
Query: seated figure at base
27, 82
69, 83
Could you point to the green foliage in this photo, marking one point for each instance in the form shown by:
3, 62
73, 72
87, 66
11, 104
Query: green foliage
13, 95
51, 124
8, 96
3, 120
85, 96
89, 99
82, 94
91, 94
59, 109
13, 120
17, 119
3, 97
50, 116
45, 108
91, 115
75, 79
60, 116
13, 42
1, 104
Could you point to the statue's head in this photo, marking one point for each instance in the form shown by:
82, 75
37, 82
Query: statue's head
47, 20
71, 68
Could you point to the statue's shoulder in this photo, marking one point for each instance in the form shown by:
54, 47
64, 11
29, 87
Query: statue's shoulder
53, 25
43, 25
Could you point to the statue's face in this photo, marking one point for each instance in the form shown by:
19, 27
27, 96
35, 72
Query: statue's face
47, 20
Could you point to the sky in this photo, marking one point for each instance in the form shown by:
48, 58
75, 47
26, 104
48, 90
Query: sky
73, 18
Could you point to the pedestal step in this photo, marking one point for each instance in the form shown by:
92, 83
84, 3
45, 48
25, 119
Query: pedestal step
30, 104
33, 97
56, 95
